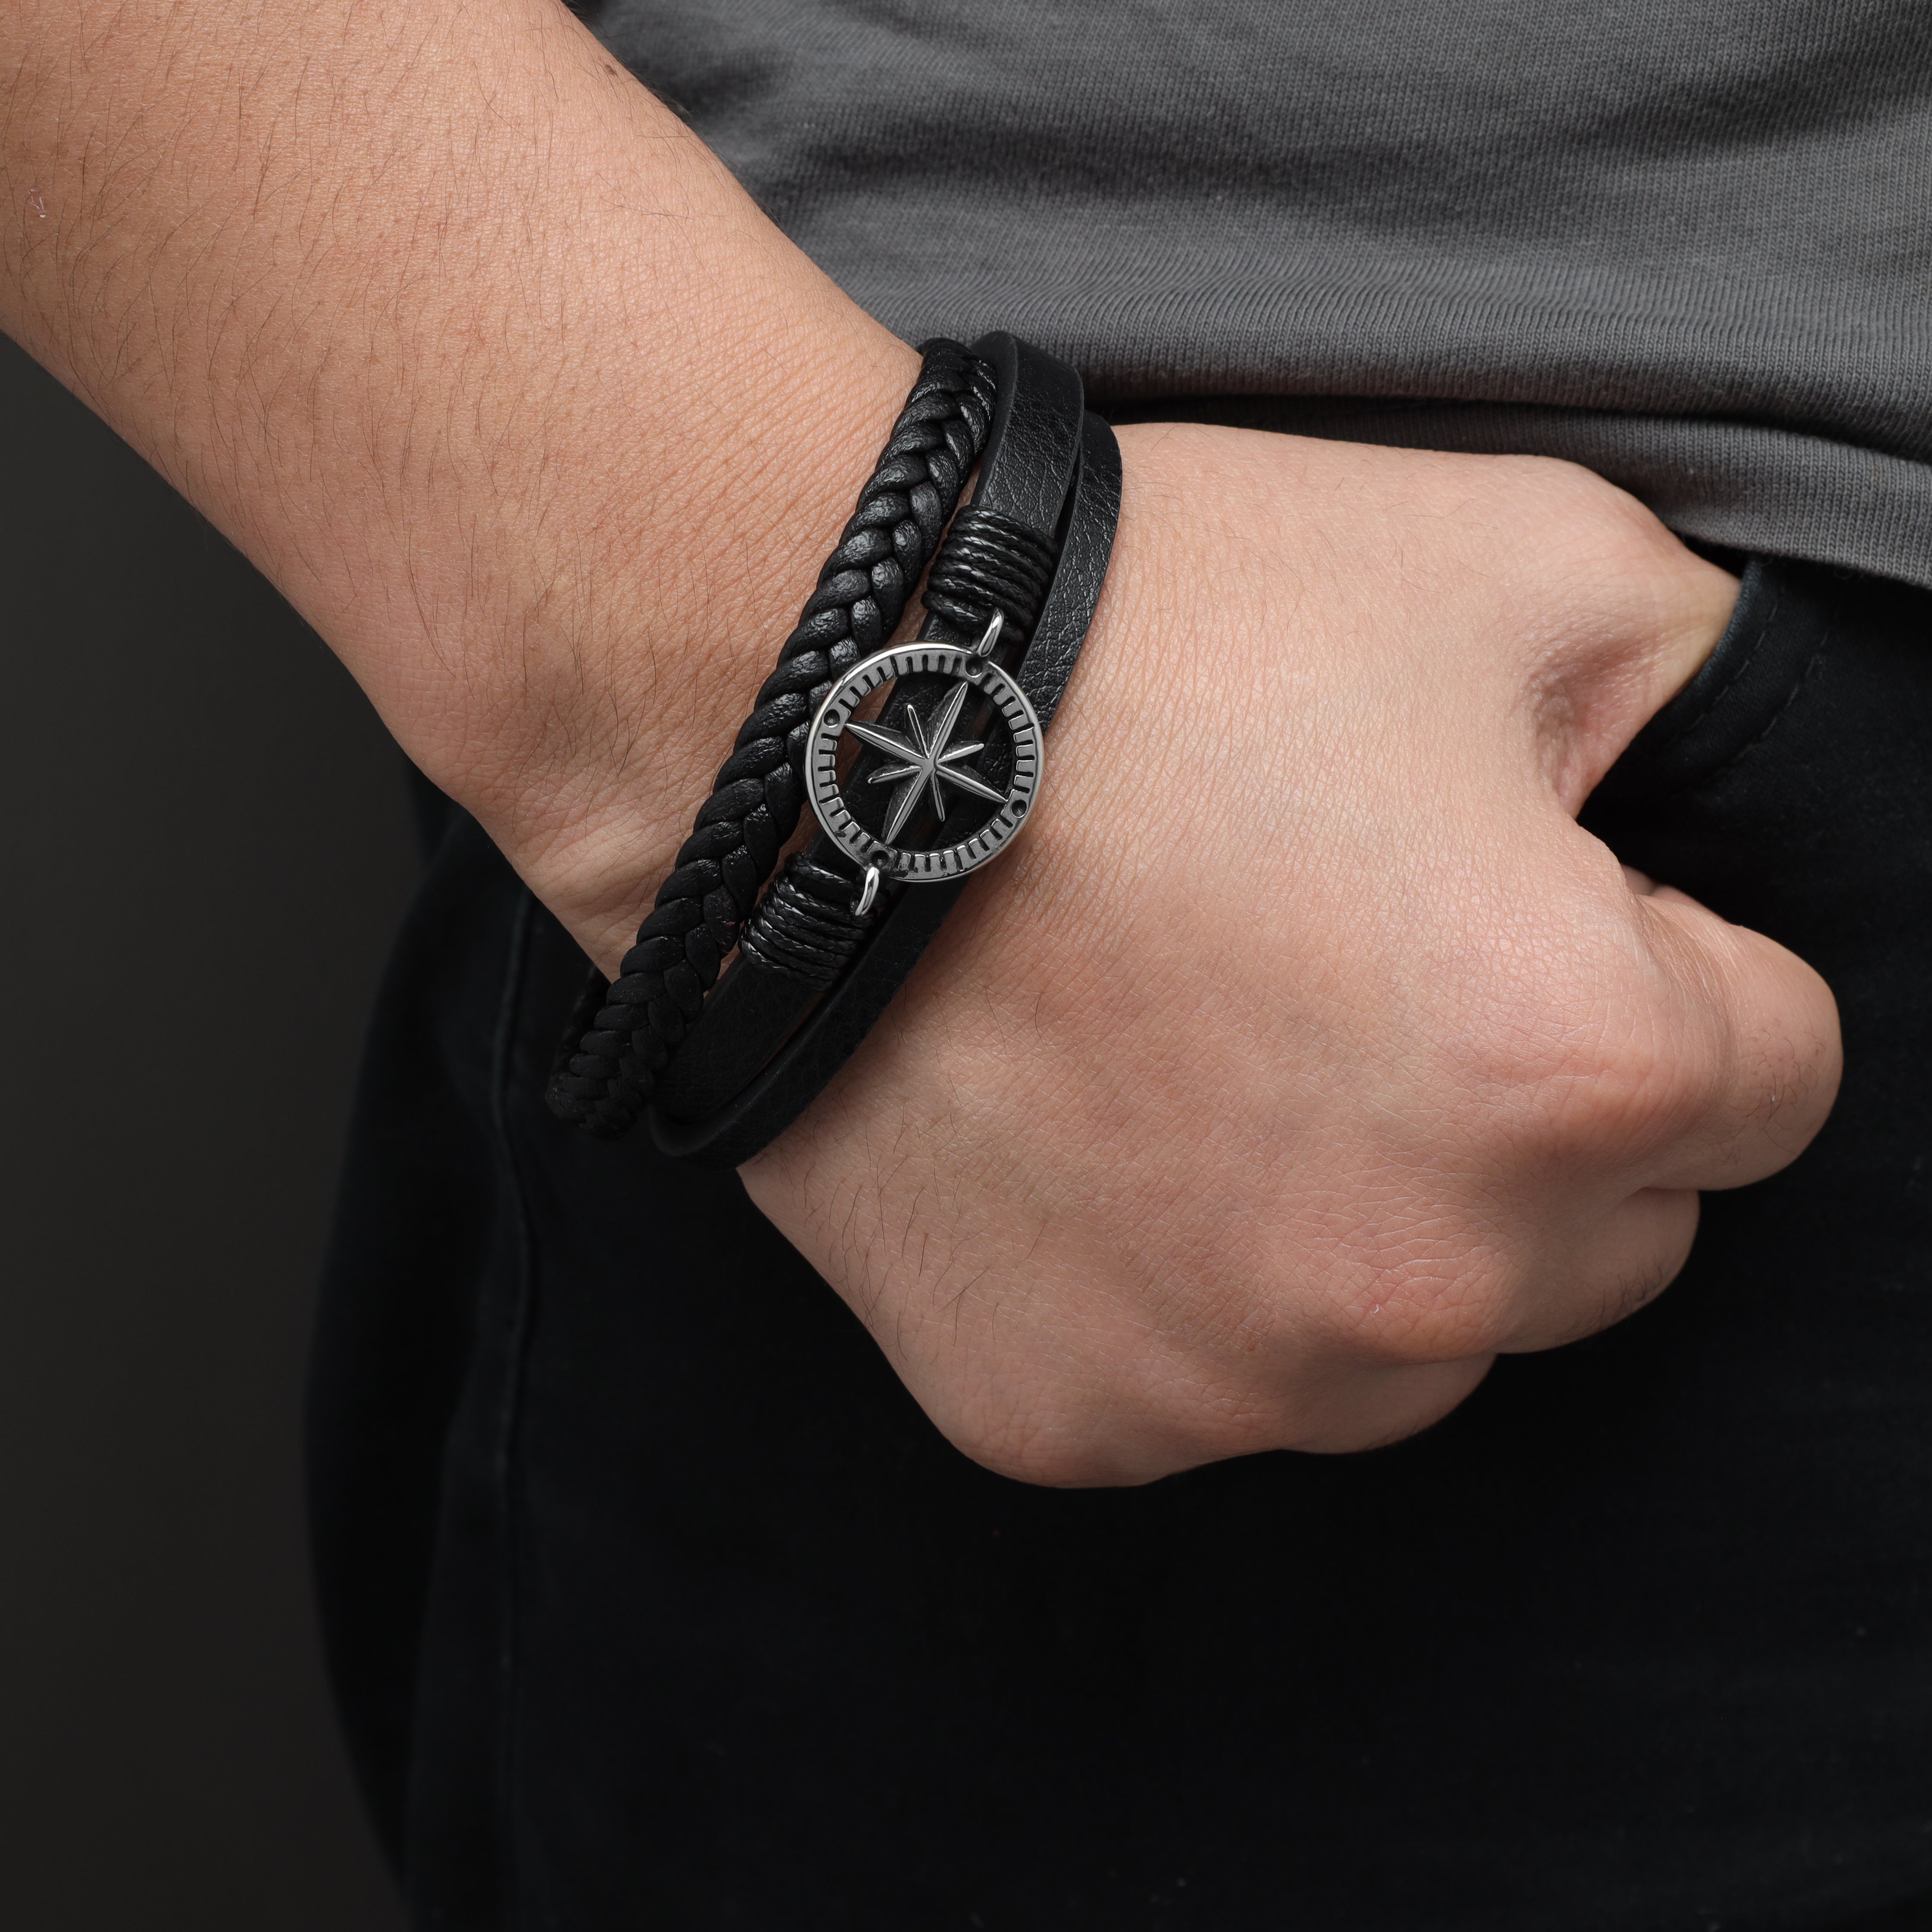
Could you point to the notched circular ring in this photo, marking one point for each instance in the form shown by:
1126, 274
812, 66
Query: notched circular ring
924, 765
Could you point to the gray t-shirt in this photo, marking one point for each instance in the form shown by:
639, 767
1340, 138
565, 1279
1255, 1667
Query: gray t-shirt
1686, 242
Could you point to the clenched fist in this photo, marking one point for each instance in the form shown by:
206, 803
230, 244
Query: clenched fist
1308, 1055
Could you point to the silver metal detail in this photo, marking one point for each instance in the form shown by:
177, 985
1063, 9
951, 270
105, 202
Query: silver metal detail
926, 765
868, 891
990, 641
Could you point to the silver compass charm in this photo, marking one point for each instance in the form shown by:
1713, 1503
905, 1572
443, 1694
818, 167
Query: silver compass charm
924, 766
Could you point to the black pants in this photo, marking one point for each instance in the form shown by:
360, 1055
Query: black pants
654, 1602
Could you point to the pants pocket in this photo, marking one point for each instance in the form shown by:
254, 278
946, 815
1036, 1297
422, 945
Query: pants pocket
1780, 624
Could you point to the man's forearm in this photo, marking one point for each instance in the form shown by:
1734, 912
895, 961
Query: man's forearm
464, 339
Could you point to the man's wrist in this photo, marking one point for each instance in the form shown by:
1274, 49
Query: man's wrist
675, 653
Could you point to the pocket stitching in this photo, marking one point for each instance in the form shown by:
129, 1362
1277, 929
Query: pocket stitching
1790, 697
1737, 670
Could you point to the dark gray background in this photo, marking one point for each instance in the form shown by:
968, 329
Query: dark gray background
207, 844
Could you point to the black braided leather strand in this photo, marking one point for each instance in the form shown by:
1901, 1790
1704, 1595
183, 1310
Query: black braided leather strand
622, 1033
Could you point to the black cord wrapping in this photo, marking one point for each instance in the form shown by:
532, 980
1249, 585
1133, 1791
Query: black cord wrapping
805, 926
621, 1034
991, 563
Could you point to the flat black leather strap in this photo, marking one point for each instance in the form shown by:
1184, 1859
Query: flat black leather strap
623, 1032
729, 1132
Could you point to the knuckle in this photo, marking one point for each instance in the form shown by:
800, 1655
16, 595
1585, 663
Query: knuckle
1605, 578
1442, 1293
1403, 1263
1602, 522
1634, 1087
1594, 1070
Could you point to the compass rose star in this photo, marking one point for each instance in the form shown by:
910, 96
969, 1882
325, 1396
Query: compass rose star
927, 760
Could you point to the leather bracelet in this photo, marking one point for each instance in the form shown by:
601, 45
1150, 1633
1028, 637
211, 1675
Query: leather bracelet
833, 939
623, 1032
